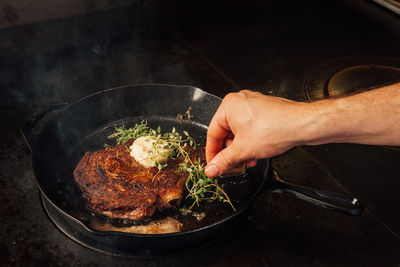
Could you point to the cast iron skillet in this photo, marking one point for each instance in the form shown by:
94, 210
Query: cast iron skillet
59, 136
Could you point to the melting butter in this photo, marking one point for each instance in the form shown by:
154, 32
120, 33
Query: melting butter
147, 151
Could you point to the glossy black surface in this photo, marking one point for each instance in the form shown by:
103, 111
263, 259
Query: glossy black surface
270, 46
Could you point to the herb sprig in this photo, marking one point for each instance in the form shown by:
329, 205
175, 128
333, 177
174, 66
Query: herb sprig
199, 186
123, 135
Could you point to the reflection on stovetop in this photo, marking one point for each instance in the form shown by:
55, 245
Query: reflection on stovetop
349, 75
270, 47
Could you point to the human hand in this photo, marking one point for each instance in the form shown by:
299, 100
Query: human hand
255, 126
252, 126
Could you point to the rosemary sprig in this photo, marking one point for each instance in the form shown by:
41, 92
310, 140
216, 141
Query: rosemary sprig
199, 186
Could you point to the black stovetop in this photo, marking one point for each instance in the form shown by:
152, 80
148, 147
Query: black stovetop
263, 45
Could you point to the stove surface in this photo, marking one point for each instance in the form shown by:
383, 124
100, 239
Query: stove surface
219, 47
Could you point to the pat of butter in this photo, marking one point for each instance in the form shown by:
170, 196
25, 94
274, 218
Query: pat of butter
144, 151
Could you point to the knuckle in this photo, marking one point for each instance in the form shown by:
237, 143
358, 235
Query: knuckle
228, 97
250, 93
246, 91
232, 98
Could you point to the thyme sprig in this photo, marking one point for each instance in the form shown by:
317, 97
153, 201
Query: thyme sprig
199, 186
123, 135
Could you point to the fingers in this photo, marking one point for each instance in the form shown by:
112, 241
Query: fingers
216, 133
249, 163
226, 159
228, 140
215, 141
222, 129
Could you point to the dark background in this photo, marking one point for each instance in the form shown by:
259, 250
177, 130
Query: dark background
70, 51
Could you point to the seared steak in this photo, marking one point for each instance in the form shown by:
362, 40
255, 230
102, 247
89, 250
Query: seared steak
116, 186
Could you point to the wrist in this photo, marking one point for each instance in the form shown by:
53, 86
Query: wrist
328, 121
371, 117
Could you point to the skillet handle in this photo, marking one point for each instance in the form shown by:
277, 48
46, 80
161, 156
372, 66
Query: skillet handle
31, 124
340, 203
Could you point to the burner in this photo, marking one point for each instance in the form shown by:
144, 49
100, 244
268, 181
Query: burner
349, 75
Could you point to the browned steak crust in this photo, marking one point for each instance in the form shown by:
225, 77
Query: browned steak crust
115, 185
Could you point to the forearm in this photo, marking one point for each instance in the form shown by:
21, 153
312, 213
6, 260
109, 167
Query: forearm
371, 117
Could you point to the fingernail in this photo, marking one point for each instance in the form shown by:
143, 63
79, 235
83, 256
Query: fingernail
212, 170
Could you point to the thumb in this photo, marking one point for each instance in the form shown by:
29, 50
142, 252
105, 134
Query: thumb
226, 159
